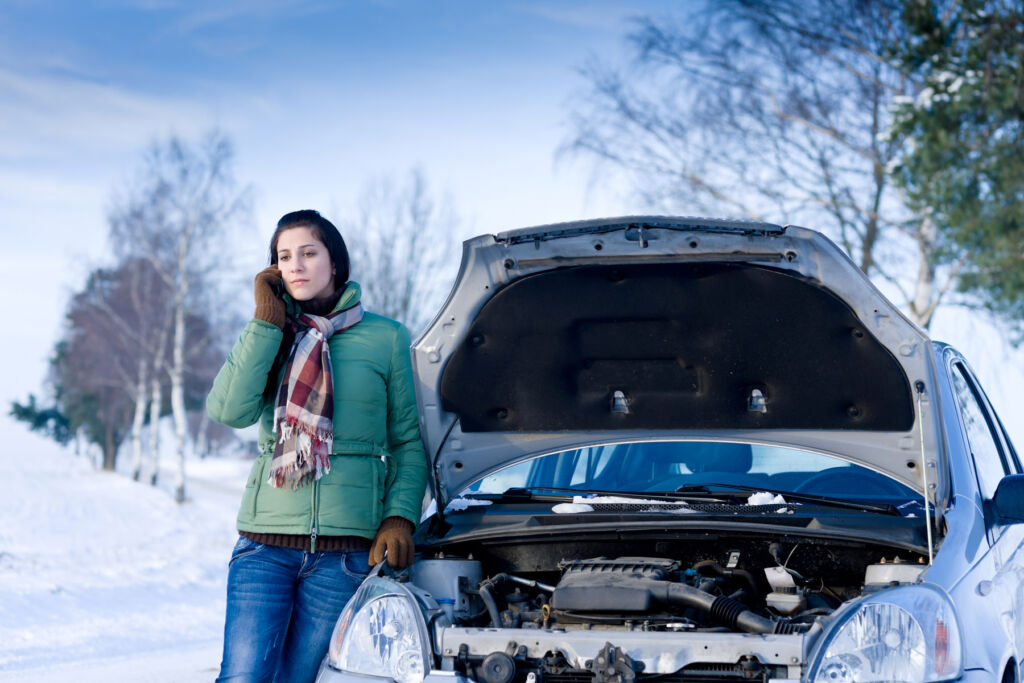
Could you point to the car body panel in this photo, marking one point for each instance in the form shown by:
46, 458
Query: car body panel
980, 562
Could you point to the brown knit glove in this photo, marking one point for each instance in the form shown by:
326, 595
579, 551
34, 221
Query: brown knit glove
395, 536
269, 305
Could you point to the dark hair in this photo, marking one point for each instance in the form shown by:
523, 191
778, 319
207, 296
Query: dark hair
324, 231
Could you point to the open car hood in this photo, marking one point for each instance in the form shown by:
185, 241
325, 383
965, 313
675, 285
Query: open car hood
651, 327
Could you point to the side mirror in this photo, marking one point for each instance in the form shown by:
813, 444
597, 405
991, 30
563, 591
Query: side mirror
1009, 499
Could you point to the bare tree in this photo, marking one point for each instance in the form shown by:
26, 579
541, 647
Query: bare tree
209, 343
136, 318
778, 110
403, 249
176, 217
118, 332
93, 370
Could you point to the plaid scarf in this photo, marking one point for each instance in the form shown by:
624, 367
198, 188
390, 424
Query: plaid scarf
304, 414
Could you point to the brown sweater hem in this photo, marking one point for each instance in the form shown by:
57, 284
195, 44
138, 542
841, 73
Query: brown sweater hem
323, 543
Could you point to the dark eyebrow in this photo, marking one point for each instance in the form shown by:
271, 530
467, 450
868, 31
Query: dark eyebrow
301, 246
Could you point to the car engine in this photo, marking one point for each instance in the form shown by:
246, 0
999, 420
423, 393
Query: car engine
628, 618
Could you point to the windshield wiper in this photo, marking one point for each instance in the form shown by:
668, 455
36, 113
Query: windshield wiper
563, 495
701, 492
884, 508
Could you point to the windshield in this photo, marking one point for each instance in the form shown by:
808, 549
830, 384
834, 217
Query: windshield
651, 466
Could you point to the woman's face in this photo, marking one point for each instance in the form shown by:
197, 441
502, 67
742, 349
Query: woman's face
305, 264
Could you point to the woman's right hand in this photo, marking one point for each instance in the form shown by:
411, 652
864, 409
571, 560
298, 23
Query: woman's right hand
269, 304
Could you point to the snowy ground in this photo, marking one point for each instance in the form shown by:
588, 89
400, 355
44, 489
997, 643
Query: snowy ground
106, 579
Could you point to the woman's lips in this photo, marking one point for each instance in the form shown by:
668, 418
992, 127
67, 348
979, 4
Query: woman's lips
297, 283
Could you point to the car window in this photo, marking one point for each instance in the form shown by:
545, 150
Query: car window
1014, 459
668, 465
989, 460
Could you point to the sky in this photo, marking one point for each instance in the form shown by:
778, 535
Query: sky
319, 98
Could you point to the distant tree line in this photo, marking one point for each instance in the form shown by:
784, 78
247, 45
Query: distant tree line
145, 336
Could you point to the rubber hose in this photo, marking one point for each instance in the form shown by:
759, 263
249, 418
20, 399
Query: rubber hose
490, 604
735, 613
722, 571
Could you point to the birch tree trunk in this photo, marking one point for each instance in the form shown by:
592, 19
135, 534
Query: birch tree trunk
178, 362
922, 306
178, 391
109, 449
201, 445
154, 428
139, 418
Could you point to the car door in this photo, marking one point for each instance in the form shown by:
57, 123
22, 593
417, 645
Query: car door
1000, 581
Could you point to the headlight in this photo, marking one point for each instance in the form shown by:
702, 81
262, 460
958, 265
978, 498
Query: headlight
902, 634
381, 632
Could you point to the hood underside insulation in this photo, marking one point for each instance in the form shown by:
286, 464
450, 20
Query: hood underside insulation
672, 346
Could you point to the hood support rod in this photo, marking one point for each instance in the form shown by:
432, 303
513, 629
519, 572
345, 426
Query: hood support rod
433, 471
919, 387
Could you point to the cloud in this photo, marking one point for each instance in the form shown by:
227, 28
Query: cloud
46, 117
223, 13
66, 143
42, 188
146, 5
587, 16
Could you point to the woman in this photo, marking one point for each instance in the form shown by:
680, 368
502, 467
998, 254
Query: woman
342, 471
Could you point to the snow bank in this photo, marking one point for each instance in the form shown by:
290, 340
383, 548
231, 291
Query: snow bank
99, 571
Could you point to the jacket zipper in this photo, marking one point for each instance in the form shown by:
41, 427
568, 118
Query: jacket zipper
316, 517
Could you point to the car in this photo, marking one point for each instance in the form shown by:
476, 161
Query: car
684, 449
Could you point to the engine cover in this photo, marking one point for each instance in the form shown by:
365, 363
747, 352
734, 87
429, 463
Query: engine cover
605, 585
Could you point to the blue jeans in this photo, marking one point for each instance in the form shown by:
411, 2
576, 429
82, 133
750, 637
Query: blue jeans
282, 606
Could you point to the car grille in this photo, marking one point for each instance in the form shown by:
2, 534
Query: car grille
702, 675
694, 673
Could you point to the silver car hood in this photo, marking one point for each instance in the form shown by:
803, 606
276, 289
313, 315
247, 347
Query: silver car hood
653, 327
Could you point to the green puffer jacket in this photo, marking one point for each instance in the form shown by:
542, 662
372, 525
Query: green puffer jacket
379, 467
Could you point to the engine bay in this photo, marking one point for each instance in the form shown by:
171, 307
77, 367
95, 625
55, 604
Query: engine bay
592, 610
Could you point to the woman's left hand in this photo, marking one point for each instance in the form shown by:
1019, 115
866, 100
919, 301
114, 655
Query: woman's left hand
395, 537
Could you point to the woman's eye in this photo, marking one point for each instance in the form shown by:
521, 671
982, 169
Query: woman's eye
310, 254
282, 257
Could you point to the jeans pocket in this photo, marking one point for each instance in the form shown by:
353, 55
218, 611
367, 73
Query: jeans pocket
244, 548
355, 564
